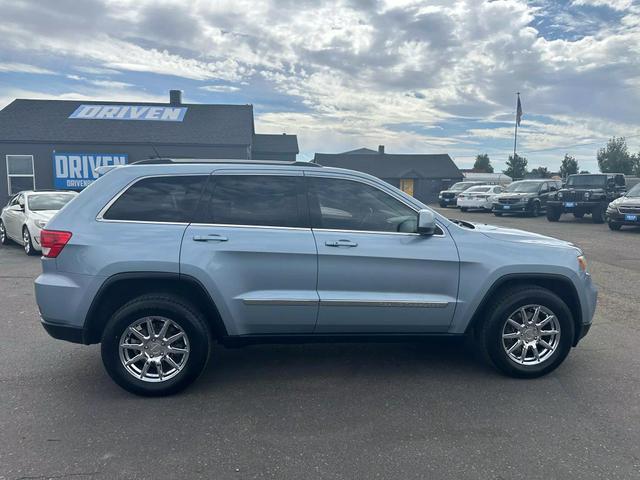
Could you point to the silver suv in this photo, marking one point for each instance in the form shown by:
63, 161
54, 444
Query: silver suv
158, 261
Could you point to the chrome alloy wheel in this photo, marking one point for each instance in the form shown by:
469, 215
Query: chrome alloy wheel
154, 349
26, 240
531, 334
3, 233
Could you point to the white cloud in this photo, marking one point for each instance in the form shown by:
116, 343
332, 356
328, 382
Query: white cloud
350, 72
24, 68
614, 4
220, 88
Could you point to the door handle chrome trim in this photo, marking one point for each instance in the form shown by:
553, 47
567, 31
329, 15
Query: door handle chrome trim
341, 243
214, 237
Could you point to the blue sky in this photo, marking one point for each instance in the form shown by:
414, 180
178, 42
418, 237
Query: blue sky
416, 76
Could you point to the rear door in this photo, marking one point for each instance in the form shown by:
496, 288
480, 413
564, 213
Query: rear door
375, 275
253, 250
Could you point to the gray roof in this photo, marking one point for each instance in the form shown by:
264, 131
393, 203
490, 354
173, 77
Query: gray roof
48, 121
386, 165
267, 143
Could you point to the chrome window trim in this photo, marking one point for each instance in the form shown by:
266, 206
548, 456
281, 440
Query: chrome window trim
103, 210
230, 225
409, 234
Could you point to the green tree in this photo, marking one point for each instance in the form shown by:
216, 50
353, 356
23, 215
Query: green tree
516, 167
482, 164
569, 166
615, 157
636, 164
541, 172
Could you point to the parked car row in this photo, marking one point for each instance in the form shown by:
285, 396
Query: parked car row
603, 196
27, 213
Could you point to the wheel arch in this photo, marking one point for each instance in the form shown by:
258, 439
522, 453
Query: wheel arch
558, 284
121, 288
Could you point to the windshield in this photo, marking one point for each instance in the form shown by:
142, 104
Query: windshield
49, 201
634, 192
587, 181
460, 186
479, 189
524, 187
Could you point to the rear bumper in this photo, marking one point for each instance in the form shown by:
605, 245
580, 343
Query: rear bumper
467, 203
64, 332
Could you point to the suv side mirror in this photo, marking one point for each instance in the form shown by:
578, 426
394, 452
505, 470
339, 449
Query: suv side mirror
426, 222
17, 208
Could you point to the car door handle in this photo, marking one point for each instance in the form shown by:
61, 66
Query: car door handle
214, 237
341, 243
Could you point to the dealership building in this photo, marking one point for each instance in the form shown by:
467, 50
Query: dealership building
47, 144
420, 175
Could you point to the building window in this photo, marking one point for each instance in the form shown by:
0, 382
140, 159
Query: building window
406, 185
20, 173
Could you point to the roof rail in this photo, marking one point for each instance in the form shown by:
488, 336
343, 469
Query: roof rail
164, 161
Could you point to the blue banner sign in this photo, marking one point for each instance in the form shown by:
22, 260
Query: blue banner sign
74, 171
129, 112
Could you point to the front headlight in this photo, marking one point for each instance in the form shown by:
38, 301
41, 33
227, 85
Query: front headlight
582, 263
439, 195
559, 194
40, 223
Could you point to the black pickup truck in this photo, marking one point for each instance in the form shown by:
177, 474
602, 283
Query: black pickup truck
586, 194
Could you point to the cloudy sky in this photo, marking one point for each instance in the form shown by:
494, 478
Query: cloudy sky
416, 76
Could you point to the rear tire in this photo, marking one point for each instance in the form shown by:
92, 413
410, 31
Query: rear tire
497, 214
615, 226
188, 352
553, 214
463, 209
507, 306
4, 239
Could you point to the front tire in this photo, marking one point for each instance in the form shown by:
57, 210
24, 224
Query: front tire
615, 226
535, 210
27, 243
597, 216
155, 345
497, 214
4, 239
528, 333
463, 209
553, 214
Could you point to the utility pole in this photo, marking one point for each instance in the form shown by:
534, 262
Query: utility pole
515, 135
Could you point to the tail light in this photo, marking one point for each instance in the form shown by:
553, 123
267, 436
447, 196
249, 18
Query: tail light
53, 241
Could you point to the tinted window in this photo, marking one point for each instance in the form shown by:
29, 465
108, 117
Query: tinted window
255, 200
347, 205
159, 199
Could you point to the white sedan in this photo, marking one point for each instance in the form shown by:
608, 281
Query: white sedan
27, 213
479, 197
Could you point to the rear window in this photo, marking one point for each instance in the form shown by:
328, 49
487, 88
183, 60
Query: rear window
159, 199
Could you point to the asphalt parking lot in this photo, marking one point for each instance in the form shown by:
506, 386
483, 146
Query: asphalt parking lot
348, 411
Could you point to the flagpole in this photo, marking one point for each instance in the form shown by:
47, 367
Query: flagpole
515, 135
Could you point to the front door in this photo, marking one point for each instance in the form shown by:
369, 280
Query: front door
14, 218
375, 274
254, 252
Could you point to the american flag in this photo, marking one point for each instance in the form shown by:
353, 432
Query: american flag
519, 112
